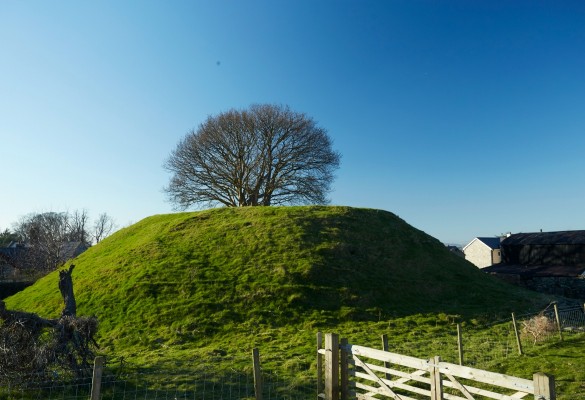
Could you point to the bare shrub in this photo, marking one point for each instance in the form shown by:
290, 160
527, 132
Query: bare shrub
46, 348
538, 327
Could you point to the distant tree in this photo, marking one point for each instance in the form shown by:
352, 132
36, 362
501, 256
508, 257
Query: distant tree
78, 230
46, 238
103, 226
43, 235
265, 155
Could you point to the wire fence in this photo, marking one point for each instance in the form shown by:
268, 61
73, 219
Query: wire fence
206, 381
524, 333
225, 378
481, 346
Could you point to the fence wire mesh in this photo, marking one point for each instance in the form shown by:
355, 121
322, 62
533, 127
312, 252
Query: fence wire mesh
204, 382
486, 344
222, 380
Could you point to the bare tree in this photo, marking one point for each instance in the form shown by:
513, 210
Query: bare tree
78, 227
43, 235
7, 237
103, 226
47, 240
265, 155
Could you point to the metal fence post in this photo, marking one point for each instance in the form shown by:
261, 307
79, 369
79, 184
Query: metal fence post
320, 386
344, 369
385, 347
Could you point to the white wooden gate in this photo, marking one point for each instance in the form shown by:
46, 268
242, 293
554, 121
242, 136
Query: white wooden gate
358, 372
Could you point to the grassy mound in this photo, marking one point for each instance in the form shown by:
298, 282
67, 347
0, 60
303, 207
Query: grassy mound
191, 280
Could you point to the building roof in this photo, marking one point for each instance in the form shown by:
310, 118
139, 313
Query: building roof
491, 242
69, 250
456, 250
9, 254
8, 251
72, 249
545, 238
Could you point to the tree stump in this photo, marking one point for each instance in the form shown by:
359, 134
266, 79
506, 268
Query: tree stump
66, 288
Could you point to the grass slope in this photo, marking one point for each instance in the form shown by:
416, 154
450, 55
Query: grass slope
233, 278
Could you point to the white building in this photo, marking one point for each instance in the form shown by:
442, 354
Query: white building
483, 251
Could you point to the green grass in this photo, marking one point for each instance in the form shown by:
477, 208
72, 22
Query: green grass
176, 287
564, 360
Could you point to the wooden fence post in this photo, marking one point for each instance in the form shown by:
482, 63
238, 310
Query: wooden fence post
257, 374
385, 348
331, 366
460, 344
436, 381
96, 381
344, 373
558, 320
518, 341
320, 386
544, 387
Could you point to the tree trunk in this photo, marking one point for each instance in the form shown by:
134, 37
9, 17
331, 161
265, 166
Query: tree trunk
66, 288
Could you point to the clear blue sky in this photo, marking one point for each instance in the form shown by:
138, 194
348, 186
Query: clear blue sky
465, 118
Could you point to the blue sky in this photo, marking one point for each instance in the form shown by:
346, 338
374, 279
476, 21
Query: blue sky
465, 118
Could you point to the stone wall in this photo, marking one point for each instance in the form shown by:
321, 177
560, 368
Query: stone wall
573, 288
